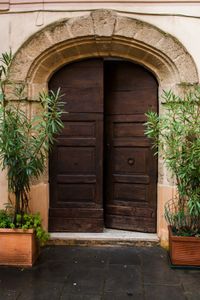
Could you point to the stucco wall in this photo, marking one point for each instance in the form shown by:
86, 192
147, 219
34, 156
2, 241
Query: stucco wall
17, 27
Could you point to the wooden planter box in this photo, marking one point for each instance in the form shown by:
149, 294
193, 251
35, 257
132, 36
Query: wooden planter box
18, 247
184, 251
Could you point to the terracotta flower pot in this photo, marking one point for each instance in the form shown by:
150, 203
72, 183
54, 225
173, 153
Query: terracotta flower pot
18, 247
184, 251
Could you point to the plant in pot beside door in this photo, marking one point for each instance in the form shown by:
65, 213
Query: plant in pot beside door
24, 145
176, 137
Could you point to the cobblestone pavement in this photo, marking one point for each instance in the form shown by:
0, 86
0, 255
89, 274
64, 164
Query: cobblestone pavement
74, 273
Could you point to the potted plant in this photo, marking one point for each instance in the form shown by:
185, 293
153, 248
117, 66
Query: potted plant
24, 145
176, 137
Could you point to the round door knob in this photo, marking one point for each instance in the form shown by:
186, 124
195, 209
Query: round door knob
131, 161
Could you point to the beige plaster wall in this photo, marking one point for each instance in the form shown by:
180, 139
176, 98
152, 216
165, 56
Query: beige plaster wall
3, 189
39, 201
165, 193
17, 28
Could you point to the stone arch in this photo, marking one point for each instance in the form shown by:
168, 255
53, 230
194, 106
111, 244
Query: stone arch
98, 34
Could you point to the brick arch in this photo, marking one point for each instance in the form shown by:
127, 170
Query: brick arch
97, 34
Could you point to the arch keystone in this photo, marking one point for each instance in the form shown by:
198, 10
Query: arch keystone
104, 22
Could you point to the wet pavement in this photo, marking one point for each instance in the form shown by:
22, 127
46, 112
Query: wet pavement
81, 273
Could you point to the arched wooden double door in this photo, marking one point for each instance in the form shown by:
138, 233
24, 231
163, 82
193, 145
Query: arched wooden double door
102, 170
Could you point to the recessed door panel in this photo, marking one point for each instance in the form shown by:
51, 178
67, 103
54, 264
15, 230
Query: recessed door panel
129, 160
73, 160
78, 129
70, 192
129, 192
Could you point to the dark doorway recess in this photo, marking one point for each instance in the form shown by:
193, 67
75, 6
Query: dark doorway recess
102, 171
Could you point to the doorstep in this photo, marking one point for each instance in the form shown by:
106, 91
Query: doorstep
109, 237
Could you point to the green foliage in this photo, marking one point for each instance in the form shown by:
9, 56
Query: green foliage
5, 61
26, 221
25, 141
183, 223
6, 220
176, 137
32, 221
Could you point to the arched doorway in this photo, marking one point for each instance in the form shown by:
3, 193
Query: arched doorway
102, 33
102, 170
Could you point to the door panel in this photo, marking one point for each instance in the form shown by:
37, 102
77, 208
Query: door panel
76, 162
129, 160
131, 168
131, 102
82, 86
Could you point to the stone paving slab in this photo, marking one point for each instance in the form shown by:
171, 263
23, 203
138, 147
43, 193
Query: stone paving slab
100, 273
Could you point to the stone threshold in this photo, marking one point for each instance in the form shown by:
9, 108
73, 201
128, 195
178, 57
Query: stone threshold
109, 237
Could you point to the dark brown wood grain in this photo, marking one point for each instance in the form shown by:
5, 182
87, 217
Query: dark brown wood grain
76, 163
130, 168
102, 169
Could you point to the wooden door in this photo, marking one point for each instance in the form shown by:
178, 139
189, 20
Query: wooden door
75, 165
130, 173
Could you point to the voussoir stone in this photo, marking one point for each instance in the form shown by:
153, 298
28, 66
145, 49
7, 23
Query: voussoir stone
81, 26
52, 60
185, 63
59, 32
104, 22
20, 65
27, 54
127, 27
149, 35
170, 46
38, 44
